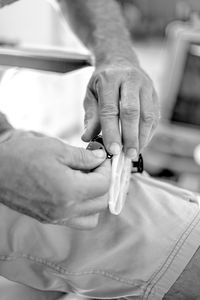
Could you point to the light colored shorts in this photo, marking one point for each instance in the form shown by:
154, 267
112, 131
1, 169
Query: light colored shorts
138, 254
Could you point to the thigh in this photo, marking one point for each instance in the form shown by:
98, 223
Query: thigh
187, 286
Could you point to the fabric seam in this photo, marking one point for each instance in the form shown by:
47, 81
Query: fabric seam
113, 276
161, 272
62, 270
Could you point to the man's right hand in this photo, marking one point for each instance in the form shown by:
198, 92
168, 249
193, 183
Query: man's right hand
51, 181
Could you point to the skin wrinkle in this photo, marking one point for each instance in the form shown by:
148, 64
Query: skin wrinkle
109, 110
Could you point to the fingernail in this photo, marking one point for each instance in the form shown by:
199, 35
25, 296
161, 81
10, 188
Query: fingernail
85, 136
115, 148
132, 153
99, 153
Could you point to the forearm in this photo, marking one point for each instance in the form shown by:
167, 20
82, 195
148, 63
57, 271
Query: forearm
100, 26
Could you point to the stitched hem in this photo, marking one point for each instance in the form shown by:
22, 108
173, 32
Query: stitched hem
60, 270
176, 263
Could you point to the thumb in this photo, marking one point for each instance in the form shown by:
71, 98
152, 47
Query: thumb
82, 159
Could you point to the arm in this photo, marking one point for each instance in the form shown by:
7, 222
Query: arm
100, 26
119, 88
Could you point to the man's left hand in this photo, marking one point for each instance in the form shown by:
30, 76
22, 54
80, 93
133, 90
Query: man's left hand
121, 91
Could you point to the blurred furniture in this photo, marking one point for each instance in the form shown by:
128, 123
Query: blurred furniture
171, 153
149, 18
43, 59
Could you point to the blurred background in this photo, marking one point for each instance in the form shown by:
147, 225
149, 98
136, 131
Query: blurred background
165, 35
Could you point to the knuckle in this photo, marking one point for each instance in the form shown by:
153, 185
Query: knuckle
129, 111
148, 118
105, 81
137, 76
109, 110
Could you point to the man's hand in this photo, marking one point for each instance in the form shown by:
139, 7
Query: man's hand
121, 91
51, 181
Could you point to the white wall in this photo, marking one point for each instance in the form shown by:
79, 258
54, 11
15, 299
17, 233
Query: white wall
28, 21
37, 22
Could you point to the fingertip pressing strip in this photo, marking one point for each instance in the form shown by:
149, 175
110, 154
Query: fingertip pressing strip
122, 167
120, 178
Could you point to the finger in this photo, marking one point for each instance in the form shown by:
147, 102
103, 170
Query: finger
130, 116
91, 122
82, 159
96, 183
89, 207
71, 187
149, 116
146, 116
108, 99
92, 206
84, 223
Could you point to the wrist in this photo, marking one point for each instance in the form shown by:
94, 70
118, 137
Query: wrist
117, 60
116, 55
